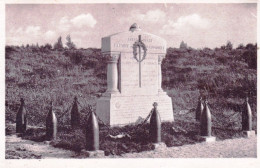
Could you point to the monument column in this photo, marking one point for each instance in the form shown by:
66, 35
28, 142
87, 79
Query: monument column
160, 58
112, 72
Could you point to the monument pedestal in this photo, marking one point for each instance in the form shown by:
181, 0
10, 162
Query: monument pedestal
18, 134
208, 138
47, 142
159, 146
249, 134
118, 110
97, 153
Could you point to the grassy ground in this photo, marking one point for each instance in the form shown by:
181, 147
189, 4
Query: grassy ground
41, 77
178, 133
223, 75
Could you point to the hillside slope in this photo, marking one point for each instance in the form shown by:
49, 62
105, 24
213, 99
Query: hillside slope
223, 75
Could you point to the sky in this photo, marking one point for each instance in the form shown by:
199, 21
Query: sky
198, 25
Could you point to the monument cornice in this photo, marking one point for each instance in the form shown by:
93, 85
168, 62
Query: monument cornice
112, 56
120, 52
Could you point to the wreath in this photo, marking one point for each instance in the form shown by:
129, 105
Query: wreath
135, 46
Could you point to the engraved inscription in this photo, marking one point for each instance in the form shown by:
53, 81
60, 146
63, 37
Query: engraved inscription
118, 45
121, 45
130, 74
128, 42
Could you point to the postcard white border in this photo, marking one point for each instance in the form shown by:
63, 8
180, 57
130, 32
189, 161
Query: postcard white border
115, 163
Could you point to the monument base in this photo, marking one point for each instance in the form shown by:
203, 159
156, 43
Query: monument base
208, 138
249, 134
47, 142
97, 153
157, 146
118, 110
19, 134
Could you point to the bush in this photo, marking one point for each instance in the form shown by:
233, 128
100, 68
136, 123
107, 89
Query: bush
178, 133
8, 51
35, 134
58, 45
76, 56
41, 77
73, 140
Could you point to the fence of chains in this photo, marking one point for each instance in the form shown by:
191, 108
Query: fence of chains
221, 120
90, 110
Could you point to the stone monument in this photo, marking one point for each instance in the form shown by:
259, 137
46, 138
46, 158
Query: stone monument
133, 78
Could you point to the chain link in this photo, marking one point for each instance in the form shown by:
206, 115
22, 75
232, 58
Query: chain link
66, 111
189, 111
79, 104
220, 123
114, 132
8, 109
27, 111
89, 111
232, 115
141, 124
103, 123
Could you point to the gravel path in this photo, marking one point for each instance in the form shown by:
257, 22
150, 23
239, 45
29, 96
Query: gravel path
17, 148
233, 148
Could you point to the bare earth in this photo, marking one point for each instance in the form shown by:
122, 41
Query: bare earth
233, 148
17, 148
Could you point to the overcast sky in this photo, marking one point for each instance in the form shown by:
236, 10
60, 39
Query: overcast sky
199, 25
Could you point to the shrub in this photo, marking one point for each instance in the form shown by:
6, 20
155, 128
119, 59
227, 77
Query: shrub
8, 51
69, 43
76, 56
73, 140
58, 45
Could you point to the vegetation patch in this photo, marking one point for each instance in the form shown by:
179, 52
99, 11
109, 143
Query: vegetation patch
178, 133
40, 74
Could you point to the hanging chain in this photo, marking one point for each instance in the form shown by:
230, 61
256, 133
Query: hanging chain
66, 111
141, 124
220, 122
109, 128
80, 105
89, 111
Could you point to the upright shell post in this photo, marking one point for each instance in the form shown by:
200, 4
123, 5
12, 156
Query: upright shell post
21, 118
155, 125
199, 109
205, 121
51, 125
92, 132
246, 117
75, 117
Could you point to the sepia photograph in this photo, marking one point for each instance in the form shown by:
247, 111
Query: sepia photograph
130, 80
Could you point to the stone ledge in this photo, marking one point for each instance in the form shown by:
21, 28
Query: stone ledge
249, 134
160, 145
97, 153
208, 138
19, 134
126, 109
47, 142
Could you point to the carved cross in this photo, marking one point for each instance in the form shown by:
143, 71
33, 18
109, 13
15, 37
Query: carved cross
140, 45
139, 39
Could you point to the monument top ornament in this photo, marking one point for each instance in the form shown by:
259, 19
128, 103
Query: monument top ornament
134, 27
